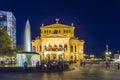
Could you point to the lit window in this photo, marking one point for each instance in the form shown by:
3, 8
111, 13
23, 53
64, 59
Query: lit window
45, 31
1, 16
34, 49
71, 48
75, 48
55, 31
64, 31
65, 46
59, 31
40, 48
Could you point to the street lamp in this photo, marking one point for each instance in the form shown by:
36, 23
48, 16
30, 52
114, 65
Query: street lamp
75, 57
107, 53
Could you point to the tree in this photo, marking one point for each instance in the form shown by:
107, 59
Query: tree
20, 48
5, 42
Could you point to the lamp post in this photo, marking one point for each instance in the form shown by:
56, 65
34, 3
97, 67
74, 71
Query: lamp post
107, 53
75, 57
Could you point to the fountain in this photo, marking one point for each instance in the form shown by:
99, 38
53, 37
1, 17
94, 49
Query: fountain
27, 37
31, 57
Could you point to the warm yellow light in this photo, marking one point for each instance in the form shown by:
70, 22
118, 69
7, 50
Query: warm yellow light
106, 53
56, 40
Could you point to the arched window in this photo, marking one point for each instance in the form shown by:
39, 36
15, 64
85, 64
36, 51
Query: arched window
64, 31
75, 48
65, 46
69, 31
44, 31
37, 48
47, 31
71, 48
59, 31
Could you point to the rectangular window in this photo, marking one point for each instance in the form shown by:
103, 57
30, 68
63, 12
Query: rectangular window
55, 31
40, 48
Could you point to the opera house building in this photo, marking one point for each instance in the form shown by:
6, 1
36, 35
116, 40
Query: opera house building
58, 42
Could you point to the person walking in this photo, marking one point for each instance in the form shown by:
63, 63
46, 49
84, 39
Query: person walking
25, 65
84, 63
37, 65
107, 65
81, 62
118, 66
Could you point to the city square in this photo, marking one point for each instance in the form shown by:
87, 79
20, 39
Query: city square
59, 40
91, 72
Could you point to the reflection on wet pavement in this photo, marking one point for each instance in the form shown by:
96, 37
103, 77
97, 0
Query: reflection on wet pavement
90, 72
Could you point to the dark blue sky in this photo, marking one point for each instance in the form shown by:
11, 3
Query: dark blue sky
96, 21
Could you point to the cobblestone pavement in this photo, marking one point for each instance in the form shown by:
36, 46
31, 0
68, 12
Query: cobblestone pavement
89, 72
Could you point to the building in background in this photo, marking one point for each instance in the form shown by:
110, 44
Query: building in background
8, 22
117, 57
58, 42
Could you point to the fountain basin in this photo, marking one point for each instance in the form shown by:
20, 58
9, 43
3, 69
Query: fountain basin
30, 57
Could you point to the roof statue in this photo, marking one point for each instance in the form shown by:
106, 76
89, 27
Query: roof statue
42, 24
57, 20
72, 24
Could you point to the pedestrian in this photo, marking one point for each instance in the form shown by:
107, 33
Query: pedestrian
118, 66
37, 64
25, 65
84, 63
81, 62
107, 65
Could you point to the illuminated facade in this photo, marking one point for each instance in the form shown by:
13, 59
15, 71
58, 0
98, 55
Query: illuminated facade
57, 42
8, 22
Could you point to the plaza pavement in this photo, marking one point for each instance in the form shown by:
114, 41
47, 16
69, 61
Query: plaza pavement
89, 72
97, 71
